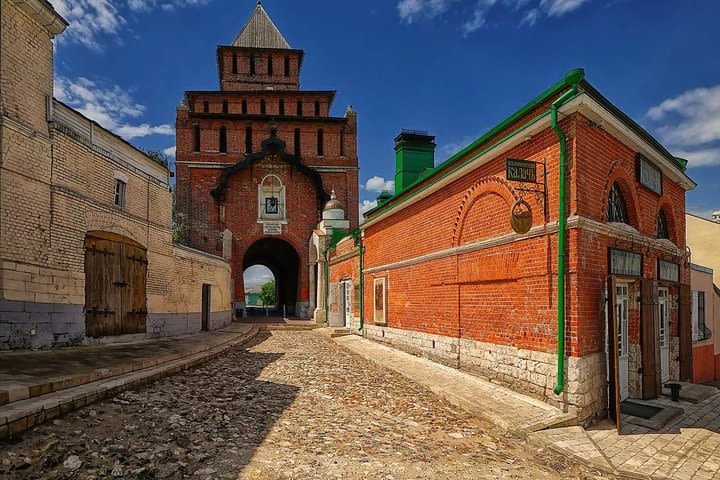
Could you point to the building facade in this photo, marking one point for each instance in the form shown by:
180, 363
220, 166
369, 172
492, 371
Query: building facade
85, 218
462, 263
258, 159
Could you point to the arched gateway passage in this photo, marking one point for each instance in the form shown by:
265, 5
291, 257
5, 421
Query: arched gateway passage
284, 262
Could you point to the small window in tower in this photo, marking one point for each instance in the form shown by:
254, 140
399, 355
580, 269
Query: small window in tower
297, 142
262, 107
317, 108
342, 143
299, 108
223, 140
225, 106
248, 140
320, 143
287, 66
273, 132
206, 106
252, 65
281, 107
244, 106
270, 66
234, 63
120, 188
196, 138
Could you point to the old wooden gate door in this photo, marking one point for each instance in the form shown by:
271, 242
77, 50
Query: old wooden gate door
115, 285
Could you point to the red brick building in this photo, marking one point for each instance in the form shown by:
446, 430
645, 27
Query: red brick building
257, 161
441, 271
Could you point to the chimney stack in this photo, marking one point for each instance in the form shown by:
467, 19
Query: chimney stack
414, 153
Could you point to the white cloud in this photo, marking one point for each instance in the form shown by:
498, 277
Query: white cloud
366, 205
170, 151
92, 20
257, 276
112, 107
530, 10
701, 212
378, 184
689, 124
410, 10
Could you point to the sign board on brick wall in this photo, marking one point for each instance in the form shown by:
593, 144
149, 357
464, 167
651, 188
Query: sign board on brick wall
272, 228
649, 175
518, 170
668, 271
623, 262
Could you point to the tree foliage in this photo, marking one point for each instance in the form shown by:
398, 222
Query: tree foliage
267, 294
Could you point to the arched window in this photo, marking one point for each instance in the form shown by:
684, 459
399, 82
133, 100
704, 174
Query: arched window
299, 107
297, 142
287, 66
225, 106
661, 226
281, 107
317, 108
196, 138
270, 66
244, 106
252, 65
248, 140
342, 143
234, 63
206, 106
616, 207
262, 107
273, 132
320, 143
271, 198
223, 140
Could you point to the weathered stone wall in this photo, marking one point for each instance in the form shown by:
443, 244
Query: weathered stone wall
57, 184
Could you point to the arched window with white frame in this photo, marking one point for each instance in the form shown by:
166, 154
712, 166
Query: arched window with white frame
271, 199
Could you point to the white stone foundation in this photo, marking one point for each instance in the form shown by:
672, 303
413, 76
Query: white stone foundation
526, 371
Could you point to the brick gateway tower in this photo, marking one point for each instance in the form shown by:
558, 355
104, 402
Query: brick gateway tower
258, 160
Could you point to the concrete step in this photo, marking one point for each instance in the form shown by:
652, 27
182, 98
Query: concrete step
20, 416
340, 332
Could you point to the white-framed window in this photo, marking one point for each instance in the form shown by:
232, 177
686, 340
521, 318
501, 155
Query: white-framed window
120, 189
380, 300
271, 199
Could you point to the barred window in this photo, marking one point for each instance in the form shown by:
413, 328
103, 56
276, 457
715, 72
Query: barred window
120, 188
661, 226
616, 207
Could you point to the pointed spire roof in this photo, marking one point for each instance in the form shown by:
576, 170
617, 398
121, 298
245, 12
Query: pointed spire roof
260, 32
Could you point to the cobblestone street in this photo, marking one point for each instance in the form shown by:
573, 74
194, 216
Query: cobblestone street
291, 405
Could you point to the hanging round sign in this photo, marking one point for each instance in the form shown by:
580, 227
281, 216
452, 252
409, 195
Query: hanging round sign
520, 216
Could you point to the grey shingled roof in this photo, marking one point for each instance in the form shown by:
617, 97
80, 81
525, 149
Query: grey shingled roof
260, 32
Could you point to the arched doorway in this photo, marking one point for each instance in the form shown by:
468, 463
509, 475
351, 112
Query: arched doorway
256, 280
284, 262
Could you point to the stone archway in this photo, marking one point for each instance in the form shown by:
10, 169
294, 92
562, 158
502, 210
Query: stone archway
281, 258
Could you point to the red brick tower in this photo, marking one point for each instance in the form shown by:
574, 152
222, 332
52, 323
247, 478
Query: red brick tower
257, 160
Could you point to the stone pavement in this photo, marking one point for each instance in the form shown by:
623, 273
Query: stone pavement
686, 448
39, 386
501, 406
290, 404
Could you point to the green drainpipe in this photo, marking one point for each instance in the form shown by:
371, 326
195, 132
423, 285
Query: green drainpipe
572, 78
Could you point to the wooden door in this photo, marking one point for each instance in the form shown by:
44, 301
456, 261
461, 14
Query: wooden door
205, 307
115, 285
649, 338
685, 333
613, 391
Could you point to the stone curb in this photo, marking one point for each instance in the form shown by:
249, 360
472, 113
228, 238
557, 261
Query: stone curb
521, 430
20, 416
612, 470
11, 394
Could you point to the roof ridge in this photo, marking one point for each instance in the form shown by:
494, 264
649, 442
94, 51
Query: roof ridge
260, 32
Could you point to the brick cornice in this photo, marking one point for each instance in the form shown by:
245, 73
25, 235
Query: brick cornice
44, 14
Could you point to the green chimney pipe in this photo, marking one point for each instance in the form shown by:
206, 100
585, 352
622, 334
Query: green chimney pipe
572, 78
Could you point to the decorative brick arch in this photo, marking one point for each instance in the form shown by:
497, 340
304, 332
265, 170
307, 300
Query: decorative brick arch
624, 178
486, 186
665, 204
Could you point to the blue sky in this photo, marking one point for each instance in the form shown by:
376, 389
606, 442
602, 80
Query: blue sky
453, 67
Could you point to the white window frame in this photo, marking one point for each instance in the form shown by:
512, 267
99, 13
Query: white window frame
383, 318
266, 191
